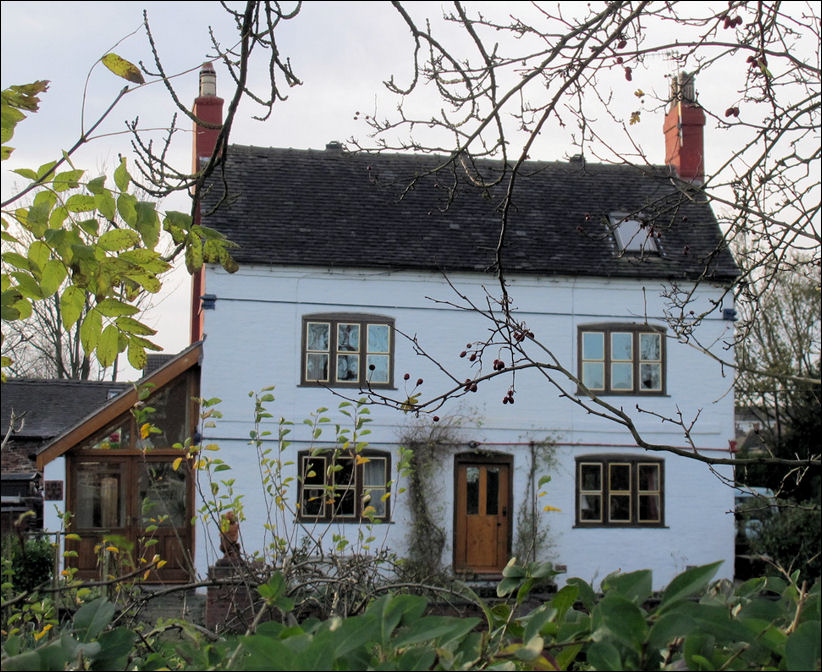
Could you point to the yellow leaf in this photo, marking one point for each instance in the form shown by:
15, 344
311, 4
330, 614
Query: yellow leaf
551, 508
176, 464
639, 93
369, 511
146, 573
112, 549
634, 118
123, 68
542, 494
145, 430
361, 460
161, 563
39, 635
73, 537
385, 496
65, 572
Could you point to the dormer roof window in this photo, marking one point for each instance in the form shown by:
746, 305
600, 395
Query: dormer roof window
633, 235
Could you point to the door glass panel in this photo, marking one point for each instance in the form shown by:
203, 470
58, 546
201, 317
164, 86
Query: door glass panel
472, 490
491, 491
101, 501
162, 495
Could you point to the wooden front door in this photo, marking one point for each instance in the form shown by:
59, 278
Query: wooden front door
482, 529
136, 504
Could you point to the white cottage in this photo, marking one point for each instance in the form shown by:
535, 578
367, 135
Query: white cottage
348, 275
355, 271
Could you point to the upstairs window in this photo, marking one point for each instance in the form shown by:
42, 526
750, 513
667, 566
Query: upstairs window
633, 235
622, 359
348, 350
619, 491
344, 487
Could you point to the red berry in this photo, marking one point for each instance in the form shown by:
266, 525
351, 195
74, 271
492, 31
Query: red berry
419, 381
473, 356
619, 60
505, 400
463, 353
436, 418
628, 74
474, 387
622, 44
406, 376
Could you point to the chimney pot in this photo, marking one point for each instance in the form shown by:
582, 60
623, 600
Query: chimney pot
208, 80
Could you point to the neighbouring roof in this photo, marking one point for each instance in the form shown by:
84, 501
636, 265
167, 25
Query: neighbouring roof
52, 405
105, 413
333, 208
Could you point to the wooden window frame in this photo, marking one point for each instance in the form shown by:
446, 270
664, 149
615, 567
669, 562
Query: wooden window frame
359, 487
607, 331
604, 463
334, 322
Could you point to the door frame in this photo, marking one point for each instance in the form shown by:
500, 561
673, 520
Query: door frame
483, 459
130, 463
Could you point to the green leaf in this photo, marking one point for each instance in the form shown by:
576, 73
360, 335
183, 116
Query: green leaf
72, 302
68, 179
106, 205
28, 286
586, 593
148, 224
115, 308
123, 68
622, 618
688, 583
28, 173
92, 618
107, 348
81, 203
16, 260
45, 169
669, 627
122, 178
115, 649
53, 275
132, 326
803, 649
97, 185
90, 331
57, 217
634, 586
194, 253
118, 239
604, 656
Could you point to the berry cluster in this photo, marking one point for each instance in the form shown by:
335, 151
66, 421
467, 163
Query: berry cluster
509, 398
499, 365
729, 22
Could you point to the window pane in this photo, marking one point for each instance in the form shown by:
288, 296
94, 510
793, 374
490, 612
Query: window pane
378, 338
472, 490
348, 337
314, 471
650, 347
492, 491
101, 498
620, 477
590, 476
593, 345
590, 507
622, 376
620, 509
373, 504
113, 439
317, 336
162, 493
170, 416
343, 471
344, 504
622, 346
316, 367
374, 473
649, 477
649, 509
379, 374
348, 368
313, 502
593, 375
650, 376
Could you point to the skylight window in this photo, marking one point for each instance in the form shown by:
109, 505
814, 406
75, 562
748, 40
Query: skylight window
633, 235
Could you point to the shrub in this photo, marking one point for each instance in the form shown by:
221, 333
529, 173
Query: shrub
31, 564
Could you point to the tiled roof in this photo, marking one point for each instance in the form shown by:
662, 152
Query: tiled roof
331, 208
52, 405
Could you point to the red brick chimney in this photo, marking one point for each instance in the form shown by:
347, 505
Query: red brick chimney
684, 150
208, 108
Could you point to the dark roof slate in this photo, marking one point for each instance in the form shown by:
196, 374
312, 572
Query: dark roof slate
332, 208
52, 405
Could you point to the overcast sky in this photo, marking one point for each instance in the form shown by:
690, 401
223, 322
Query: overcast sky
342, 52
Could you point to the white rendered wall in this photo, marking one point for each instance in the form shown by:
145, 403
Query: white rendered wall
253, 340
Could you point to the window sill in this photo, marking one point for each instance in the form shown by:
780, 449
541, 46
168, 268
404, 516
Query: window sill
343, 521
346, 386
623, 526
604, 393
